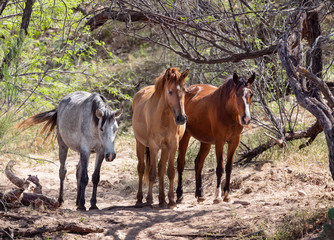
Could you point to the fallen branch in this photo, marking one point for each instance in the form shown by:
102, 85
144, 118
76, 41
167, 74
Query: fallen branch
67, 227
311, 132
38, 200
31, 184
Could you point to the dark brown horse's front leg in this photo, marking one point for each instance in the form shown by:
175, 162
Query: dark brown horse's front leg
229, 163
181, 159
96, 179
199, 162
219, 171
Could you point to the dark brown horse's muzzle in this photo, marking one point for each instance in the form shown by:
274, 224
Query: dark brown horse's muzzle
245, 120
181, 119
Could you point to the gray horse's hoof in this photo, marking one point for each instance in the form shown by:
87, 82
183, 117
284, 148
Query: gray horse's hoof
93, 208
81, 208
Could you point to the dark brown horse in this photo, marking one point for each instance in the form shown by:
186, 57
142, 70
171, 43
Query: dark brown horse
159, 123
215, 116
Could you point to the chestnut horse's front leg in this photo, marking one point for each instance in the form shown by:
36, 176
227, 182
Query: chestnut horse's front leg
181, 160
171, 174
140, 148
151, 165
232, 146
161, 175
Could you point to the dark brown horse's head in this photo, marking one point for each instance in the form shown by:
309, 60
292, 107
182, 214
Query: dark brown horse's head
244, 97
174, 93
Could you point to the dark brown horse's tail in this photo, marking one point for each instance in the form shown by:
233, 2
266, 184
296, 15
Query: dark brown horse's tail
147, 167
50, 117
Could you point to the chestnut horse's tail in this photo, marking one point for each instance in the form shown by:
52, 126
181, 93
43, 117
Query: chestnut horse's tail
147, 166
50, 117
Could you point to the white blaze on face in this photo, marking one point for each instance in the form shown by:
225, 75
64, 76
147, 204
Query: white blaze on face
247, 111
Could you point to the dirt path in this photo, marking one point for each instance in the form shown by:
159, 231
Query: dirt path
264, 195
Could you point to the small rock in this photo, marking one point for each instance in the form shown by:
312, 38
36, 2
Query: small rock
241, 202
301, 193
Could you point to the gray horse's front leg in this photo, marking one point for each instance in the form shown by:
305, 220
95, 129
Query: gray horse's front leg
63, 149
96, 179
82, 179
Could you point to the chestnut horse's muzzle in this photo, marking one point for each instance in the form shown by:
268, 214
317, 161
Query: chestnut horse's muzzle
181, 119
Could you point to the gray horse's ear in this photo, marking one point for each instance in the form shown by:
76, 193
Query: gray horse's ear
99, 113
118, 113
235, 78
251, 79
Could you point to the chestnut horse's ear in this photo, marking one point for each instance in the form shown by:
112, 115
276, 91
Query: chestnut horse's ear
185, 74
235, 78
251, 79
167, 73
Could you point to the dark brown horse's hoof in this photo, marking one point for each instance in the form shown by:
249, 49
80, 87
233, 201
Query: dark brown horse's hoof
228, 200
217, 200
179, 200
139, 205
201, 199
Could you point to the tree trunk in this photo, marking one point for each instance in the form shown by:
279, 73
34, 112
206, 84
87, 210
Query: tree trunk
291, 57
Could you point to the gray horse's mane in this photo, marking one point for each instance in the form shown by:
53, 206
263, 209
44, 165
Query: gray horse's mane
100, 102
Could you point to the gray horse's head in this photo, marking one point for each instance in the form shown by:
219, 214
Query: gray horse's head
105, 120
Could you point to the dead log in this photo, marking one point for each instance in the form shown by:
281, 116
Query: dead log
38, 200
66, 227
31, 184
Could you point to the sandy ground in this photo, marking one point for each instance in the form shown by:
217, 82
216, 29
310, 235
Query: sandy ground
264, 194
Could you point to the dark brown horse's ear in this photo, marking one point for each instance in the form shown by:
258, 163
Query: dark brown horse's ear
251, 79
235, 78
185, 74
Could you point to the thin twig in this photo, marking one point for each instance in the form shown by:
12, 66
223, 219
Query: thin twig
22, 155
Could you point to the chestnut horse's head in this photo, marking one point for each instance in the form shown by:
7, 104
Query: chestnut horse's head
244, 97
173, 90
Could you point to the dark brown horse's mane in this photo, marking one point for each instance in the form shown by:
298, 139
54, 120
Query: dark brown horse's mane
162, 80
100, 102
229, 87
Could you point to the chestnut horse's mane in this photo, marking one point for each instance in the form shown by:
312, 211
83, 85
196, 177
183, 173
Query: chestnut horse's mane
161, 81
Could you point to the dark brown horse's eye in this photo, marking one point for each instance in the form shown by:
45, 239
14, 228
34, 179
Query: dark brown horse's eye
170, 93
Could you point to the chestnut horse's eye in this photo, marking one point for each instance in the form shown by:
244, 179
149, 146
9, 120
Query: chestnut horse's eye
170, 93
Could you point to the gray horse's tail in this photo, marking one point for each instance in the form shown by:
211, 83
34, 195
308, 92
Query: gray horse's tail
147, 167
50, 117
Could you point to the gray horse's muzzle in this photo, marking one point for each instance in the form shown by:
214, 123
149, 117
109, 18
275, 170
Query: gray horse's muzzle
110, 157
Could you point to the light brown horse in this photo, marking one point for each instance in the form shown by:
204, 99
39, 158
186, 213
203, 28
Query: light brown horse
159, 123
215, 116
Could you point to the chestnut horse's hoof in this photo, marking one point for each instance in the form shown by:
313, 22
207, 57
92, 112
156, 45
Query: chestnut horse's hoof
201, 199
172, 205
163, 204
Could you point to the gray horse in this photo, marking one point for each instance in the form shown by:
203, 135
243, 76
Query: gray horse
86, 124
